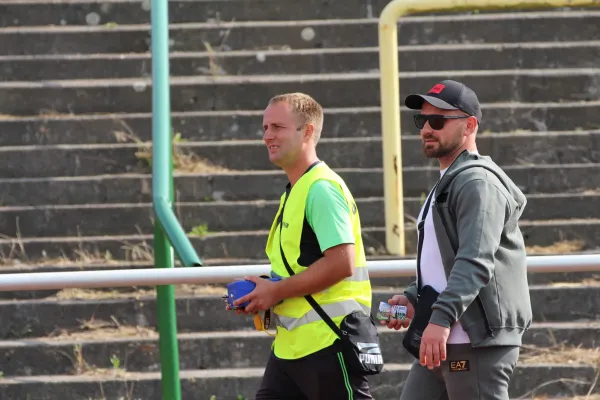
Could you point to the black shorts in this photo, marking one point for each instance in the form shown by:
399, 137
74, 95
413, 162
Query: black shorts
319, 376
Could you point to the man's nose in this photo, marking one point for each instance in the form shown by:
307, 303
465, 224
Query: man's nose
267, 135
426, 130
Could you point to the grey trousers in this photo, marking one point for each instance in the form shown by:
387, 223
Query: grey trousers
467, 374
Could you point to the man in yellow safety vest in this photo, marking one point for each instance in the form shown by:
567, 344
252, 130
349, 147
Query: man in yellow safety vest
315, 247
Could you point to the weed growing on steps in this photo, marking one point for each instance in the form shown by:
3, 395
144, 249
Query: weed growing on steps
78, 363
562, 247
13, 252
199, 230
115, 361
16, 249
214, 69
559, 353
182, 161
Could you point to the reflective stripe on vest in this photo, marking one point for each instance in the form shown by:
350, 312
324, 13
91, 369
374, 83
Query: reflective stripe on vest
339, 309
360, 274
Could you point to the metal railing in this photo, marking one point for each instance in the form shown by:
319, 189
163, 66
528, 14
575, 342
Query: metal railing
226, 274
160, 277
390, 93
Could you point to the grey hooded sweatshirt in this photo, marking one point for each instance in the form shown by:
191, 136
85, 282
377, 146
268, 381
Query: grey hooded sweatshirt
475, 215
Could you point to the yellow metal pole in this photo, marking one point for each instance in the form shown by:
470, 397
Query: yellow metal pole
390, 124
390, 93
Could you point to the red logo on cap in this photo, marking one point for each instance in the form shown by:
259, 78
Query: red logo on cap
437, 88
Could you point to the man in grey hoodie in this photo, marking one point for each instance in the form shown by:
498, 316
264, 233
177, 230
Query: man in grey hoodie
470, 304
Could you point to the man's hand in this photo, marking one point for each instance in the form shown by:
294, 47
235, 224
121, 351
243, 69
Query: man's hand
263, 297
238, 311
400, 300
433, 345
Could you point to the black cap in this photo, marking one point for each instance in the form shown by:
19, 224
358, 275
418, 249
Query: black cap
448, 95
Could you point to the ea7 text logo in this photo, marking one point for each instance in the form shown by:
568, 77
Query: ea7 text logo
458, 366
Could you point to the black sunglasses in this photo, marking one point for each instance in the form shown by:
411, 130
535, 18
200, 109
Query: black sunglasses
436, 121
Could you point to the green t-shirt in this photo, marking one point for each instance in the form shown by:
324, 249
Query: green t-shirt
328, 215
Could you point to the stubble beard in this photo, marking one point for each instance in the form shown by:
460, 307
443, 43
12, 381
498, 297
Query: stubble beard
437, 151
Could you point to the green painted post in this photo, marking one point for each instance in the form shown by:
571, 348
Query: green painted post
166, 227
162, 183
168, 233
167, 321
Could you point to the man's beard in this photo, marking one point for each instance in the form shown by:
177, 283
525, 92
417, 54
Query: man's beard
438, 151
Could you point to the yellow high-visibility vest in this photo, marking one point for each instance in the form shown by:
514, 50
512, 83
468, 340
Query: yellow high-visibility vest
300, 330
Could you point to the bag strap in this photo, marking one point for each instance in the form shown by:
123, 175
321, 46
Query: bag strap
308, 298
421, 228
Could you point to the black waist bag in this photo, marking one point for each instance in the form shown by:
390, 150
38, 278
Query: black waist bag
423, 311
359, 341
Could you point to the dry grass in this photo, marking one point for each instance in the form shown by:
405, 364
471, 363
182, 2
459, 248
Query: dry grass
15, 254
138, 252
560, 354
562, 247
214, 69
183, 161
137, 293
104, 330
189, 162
79, 257
99, 329
594, 280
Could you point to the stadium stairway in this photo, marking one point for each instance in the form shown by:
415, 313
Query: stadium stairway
75, 177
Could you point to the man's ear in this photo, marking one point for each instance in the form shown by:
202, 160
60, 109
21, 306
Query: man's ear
309, 131
471, 126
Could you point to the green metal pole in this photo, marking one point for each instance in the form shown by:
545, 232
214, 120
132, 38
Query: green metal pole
175, 233
162, 184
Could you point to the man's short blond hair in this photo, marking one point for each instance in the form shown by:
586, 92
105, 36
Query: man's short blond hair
307, 109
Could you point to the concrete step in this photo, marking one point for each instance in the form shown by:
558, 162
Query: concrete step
251, 244
242, 383
136, 349
331, 90
246, 124
486, 56
326, 33
526, 148
77, 12
94, 12
269, 185
132, 218
70, 314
